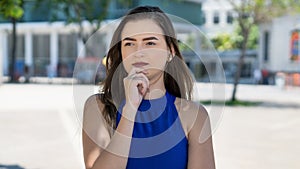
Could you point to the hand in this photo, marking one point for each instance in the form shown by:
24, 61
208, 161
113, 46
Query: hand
136, 86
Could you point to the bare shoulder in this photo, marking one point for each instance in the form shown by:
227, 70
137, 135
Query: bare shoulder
191, 113
93, 102
94, 124
95, 133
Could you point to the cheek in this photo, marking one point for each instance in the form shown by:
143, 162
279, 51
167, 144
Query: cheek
159, 56
125, 61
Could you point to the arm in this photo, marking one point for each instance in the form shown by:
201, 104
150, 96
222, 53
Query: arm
201, 154
105, 152
101, 151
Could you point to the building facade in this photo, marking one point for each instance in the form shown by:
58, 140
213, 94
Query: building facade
279, 49
218, 16
51, 49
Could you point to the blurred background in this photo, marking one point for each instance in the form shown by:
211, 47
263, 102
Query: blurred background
52, 55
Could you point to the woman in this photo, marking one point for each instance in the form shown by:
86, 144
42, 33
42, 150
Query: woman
144, 117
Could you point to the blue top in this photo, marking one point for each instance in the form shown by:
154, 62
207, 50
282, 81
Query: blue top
158, 139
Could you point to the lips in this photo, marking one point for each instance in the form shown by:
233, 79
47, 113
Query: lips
139, 64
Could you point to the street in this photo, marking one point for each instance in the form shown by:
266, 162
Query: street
40, 127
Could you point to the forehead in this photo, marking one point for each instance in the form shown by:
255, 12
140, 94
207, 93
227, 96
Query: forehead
141, 27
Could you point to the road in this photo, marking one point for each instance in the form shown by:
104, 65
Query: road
40, 127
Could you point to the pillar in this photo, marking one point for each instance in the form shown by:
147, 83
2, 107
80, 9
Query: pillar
53, 54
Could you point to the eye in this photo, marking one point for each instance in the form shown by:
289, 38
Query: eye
150, 43
128, 44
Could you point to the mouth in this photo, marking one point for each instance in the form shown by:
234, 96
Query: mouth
140, 64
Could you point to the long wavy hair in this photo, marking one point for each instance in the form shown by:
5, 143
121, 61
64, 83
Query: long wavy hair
177, 77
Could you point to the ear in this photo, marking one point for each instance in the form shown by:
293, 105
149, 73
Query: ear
172, 53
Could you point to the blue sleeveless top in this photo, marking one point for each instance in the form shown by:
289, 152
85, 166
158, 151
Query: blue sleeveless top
158, 139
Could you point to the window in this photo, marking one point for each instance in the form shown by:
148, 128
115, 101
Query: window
216, 18
266, 46
19, 53
41, 54
67, 54
229, 18
246, 70
203, 18
20, 48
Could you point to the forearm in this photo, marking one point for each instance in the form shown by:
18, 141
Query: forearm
116, 153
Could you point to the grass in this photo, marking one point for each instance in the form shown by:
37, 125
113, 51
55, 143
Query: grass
232, 103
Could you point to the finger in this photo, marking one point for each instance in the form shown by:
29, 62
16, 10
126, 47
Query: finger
141, 75
138, 80
135, 70
142, 86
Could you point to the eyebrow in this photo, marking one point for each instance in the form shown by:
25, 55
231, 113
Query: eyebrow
145, 39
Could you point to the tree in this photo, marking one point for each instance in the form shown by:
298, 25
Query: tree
12, 10
249, 14
232, 41
78, 11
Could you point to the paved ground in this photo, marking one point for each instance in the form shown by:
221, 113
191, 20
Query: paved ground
40, 130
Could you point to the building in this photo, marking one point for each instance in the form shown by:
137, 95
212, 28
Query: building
218, 17
279, 49
51, 49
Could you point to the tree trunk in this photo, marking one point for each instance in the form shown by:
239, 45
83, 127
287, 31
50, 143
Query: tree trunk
240, 65
13, 52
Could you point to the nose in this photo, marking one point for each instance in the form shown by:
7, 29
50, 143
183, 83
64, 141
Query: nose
139, 51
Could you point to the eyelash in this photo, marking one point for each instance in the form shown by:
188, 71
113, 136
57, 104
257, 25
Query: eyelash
128, 44
131, 44
151, 43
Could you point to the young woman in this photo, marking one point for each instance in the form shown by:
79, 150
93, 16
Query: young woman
144, 117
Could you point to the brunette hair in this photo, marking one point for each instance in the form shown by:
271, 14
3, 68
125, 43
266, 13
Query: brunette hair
177, 78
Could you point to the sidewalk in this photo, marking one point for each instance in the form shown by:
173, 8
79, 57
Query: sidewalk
40, 129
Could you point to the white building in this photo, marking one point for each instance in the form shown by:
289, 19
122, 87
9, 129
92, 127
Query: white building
218, 17
43, 46
275, 44
279, 49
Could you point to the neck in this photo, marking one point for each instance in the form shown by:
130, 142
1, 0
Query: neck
156, 88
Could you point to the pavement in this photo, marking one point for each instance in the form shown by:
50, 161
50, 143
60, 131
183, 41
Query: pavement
40, 126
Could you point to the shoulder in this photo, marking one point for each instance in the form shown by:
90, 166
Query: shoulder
93, 113
93, 108
93, 101
191, 113
95, 132
94, 124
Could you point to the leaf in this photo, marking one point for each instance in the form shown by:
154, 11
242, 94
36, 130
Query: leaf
11, 8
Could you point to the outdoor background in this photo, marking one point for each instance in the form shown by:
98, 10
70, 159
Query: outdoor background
254, 45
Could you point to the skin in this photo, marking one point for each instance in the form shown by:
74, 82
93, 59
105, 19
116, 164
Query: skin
143, 41
145, 55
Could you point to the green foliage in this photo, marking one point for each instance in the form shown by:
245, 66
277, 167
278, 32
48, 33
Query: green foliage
186, 46
11, 8
253, 37
225, 41
251, 13
232, 103
231, 41
76, 11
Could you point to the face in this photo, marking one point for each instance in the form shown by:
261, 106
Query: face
143, 45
